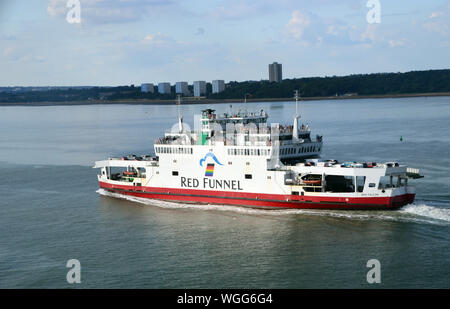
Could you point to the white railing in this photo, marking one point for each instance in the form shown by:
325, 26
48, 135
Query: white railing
412, 170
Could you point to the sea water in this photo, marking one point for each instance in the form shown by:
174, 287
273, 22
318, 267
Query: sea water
51, 209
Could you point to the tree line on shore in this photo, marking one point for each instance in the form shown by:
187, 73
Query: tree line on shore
432, 81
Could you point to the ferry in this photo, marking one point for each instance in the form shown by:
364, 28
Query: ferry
237, 158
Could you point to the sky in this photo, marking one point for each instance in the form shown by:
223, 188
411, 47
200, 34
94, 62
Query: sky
123, 42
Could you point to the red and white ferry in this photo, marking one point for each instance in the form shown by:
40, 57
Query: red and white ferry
237, 159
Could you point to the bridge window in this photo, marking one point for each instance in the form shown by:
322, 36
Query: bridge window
248, 176
360, 181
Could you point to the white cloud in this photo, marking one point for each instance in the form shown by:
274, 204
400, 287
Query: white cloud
239, 9
436, 14
370, 33
439, 26
56, 8
110, 11
157, 39
310, 28
298, 23
245, 9
439, 21
7, 51
397, 43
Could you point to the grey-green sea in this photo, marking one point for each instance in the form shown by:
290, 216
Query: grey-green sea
51, 209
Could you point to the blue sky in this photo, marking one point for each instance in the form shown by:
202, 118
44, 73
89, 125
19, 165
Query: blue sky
122, 42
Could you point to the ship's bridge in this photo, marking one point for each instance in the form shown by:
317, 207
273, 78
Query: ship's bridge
240, 117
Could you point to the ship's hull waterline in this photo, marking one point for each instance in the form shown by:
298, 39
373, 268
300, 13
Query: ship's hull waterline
260, 200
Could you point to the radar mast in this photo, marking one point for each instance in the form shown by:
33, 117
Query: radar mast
295, 127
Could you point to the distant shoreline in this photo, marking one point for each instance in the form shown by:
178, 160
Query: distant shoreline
221, 101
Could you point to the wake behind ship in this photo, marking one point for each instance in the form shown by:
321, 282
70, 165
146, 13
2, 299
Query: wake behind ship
238, 159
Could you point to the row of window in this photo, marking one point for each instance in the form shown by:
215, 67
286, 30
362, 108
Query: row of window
239, 152
291, 151
247, 176
248, 152
177, 150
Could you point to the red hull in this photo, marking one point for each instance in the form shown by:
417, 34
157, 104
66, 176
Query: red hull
261, 199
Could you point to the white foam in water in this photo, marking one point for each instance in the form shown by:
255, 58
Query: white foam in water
410, 213
432, 212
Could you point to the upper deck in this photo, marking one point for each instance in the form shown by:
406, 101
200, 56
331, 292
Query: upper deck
236, 129
245, 130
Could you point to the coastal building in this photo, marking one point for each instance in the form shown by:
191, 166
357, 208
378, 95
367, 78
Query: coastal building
218, 86
182, 88
148, 87
275, 72
164, 88
199, 88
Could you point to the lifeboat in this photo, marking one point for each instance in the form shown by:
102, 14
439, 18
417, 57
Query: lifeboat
312, 182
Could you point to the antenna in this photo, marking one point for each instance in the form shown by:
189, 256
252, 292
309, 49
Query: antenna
245, 101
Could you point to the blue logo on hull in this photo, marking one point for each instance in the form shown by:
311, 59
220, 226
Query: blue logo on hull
209, 154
